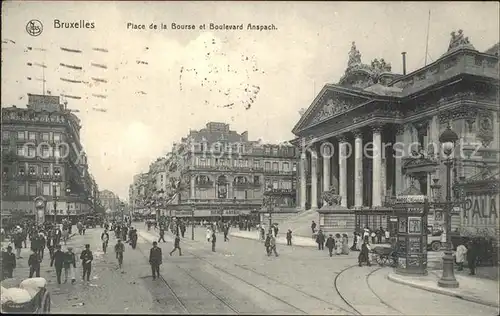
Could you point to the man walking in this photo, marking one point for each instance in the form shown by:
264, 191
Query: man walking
177, 242
289, 237
162, 234
69, 265
320, 240
330, 244
34, 263
272, 245
58, 261
105, 240
8, 263
155, 260
119, 250
87, 257
214, 240
183, 229
226, 231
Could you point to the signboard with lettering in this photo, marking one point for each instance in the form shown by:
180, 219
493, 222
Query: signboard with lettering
482, 206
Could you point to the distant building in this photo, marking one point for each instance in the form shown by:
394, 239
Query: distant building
137, 192
42, 156
110, 200
224, 174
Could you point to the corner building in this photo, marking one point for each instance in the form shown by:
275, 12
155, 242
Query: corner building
373, 110
42, 156
226, 175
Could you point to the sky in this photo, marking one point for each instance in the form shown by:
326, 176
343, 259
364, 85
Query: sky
162, 83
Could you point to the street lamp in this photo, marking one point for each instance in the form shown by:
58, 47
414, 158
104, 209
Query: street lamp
269, 202
122, 209
159, 204
448, 139
192, 221
54, 196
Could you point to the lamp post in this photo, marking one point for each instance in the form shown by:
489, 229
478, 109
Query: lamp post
269, 203
68, 192
192, 221
122, 209
448, 139
54, 196
159, 201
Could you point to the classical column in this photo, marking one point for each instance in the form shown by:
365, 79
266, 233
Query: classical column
192, 189
377, 166
326, 152
303, 180
358, 169
343, 170
399, 154
383, 178
314, 179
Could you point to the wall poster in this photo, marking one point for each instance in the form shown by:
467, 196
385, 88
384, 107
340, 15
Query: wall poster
414, 225
414, 245
403, 222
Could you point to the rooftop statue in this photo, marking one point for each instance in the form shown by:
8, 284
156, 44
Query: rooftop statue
380, 66
354, 56
458, 40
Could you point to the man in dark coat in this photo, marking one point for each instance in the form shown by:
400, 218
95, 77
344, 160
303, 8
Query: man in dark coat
330, 244
182, 227
155, 260
87, 257
58, 260
177, 245
472, 254
313, 227
320, 240
214, 240
226, 231
162, 234
34, 263
8, 263
289, 237
364, 253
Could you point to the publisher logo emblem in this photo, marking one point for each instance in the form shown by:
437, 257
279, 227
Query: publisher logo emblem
34, 27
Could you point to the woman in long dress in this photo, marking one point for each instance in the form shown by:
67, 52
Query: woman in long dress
338, 244
345, 244
358, 242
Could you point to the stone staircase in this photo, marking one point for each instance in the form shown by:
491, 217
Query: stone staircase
300, 223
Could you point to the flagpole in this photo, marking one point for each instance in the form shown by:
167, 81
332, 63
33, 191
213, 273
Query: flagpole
427, 38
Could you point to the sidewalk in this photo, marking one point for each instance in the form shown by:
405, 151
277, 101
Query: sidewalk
479, 290
296, 240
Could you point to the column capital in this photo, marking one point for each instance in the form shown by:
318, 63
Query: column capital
400, 129
377, 128
342, 138
358, 133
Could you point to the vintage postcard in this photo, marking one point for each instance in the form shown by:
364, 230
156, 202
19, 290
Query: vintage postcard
250, 157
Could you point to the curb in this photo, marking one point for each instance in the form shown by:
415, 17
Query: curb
280, 243
442, 291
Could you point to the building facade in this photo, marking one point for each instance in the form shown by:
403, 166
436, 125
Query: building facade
137, 193
42, 156
376, 133
110, 201
217, 172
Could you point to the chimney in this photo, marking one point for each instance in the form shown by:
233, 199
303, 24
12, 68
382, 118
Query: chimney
404, 62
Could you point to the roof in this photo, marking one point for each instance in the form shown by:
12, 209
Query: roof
494, 50
384, 90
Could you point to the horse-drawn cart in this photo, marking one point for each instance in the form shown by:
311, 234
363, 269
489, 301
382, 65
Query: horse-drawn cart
31, 297
384, 256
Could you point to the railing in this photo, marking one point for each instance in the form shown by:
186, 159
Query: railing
224, 201
280, 191
208, 184
280, 172
248, 185
223, 168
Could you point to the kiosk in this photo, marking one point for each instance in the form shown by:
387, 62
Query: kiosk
411, 209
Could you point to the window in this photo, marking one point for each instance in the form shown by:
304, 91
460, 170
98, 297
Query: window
33, 189
57, 171
45, 152
256, 179
32, 136
294, 166
240, 163
20, 150
46, 188
57, 137
275, 151
57, 189
5, 171
256, 163
267, 150
5, 135
286, 166
45, 171
21, 189
246, 163
45, 136
21, 136
275, 184
31, 152
32, 170
21, 171
216, 161
268, 165
57, 152
203, 162
275, 166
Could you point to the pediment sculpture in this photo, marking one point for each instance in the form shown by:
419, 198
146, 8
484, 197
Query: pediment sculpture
331, 197
330, 108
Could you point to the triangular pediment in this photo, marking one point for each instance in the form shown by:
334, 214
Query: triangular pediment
331, 101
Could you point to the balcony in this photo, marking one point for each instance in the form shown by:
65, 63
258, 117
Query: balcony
279, 191
205, 185
225, 168
247, 185
279, 172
